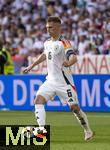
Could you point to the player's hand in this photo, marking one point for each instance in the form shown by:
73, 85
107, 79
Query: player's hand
27, 69
66, 63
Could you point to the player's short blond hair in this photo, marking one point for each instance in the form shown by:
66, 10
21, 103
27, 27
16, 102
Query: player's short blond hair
54, 19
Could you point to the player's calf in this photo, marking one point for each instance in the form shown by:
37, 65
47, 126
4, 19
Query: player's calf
82, 119
76, 110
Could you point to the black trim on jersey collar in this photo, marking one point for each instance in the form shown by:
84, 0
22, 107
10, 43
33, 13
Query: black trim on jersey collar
61, 38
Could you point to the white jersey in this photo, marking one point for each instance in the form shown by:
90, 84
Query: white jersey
56, 53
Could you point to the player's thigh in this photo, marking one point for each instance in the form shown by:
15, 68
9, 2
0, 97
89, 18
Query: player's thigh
46, 91
67, 94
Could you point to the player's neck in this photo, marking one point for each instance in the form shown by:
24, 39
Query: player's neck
55, 38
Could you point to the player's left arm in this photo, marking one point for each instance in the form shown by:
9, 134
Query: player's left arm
72, 60
71, 57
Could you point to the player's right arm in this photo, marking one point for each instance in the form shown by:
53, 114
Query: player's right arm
40, 59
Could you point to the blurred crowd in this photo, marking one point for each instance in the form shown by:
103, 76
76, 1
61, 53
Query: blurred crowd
86, 23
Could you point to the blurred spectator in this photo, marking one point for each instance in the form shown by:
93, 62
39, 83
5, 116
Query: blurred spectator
91, 6
6, 64
8, 67
99, 45
107, 43
50, 7
83, 44
3, 57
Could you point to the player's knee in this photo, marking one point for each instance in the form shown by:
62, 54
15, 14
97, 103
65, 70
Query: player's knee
39, 99
75, 108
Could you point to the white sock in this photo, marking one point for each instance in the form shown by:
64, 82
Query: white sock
82, 119
40, 115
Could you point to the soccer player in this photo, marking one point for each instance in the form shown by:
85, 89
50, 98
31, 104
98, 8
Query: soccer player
59, 55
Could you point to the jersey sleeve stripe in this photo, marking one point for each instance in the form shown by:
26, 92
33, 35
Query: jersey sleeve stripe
66, 44
69, 44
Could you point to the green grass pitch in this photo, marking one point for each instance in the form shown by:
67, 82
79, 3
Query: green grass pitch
66, 134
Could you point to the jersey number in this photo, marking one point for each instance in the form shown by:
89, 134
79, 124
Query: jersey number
50, 55
69, 93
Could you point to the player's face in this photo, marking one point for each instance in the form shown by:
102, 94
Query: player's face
53, 28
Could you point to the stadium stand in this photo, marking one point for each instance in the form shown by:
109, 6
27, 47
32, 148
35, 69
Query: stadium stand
85, 22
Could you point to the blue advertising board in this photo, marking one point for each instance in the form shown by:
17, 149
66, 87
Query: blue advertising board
18, 92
